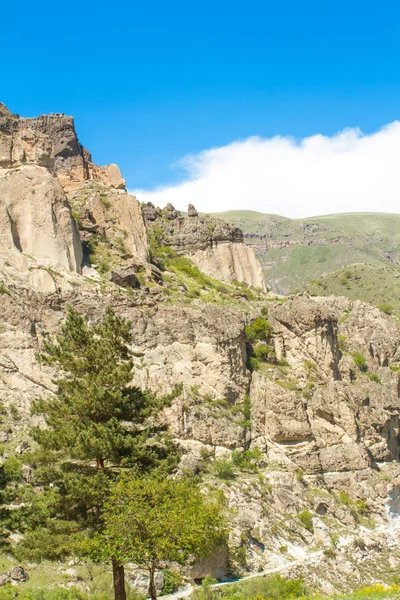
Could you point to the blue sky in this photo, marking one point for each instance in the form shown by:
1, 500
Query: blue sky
149, 82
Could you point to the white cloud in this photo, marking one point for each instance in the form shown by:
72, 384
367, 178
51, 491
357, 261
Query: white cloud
348, 172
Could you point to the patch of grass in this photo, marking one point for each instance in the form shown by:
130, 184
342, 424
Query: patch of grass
246, 460
223, 469
306, 519
105, 201
290, 384
360, 361
374, 377
3, 289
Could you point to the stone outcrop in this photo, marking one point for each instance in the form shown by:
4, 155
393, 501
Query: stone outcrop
51, 141
35, 219
44, 171
215, 246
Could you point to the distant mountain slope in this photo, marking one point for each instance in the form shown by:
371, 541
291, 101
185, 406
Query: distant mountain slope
376, 284
295, 252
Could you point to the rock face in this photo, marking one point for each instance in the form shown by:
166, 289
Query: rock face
35, 219
318, 418
51, 141
215, 246
44, 171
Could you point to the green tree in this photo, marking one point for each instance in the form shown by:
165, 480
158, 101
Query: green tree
149, 520
97, 425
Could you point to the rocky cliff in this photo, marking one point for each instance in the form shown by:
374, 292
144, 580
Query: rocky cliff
215, 246
289, 405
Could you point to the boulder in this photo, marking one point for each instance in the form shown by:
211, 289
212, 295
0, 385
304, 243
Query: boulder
192, 212
125, 277
19, 574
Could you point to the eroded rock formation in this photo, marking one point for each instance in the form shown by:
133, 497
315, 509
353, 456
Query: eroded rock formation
215, 246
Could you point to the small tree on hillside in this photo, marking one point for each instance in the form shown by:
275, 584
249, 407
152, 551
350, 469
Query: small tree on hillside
97, 424
149, 520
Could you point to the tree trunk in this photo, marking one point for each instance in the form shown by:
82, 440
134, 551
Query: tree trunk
100, 464
152, 587
118, 581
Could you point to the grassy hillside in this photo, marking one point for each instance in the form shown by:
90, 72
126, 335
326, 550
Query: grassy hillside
378, 285
294, 252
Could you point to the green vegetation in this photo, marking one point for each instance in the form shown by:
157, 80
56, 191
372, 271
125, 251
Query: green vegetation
183, 279
360, 361
306, 518
259, 588
87, 444
259, 330
357, 508
315, 253
150, 520
3, 289
258, 333
376, 284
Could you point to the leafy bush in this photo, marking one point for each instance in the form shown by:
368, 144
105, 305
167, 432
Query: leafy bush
223, 468
306, 518
172, 580
264, 352
246, 459
275, 588
253, 364
259, 330
11, 470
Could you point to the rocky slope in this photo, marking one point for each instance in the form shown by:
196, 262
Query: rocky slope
215, 246
299, 425
295, 252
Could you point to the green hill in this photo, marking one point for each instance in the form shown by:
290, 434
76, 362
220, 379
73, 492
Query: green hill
378, 285
295, 252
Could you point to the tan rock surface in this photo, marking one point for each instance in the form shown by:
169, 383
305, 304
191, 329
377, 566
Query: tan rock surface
35, 219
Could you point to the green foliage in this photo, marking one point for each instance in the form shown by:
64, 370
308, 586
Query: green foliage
374, 377
223, 469
149, 520
386, 308
343, 343
105, 200
11, 593
360, 361
306, 518
77, 217
246, 460
259, 330
357, 507
97, 425
260, 588
172, 580
14, 412
3, 289
264, 352
11, 470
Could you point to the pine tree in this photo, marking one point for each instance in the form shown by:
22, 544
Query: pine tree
97, 425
